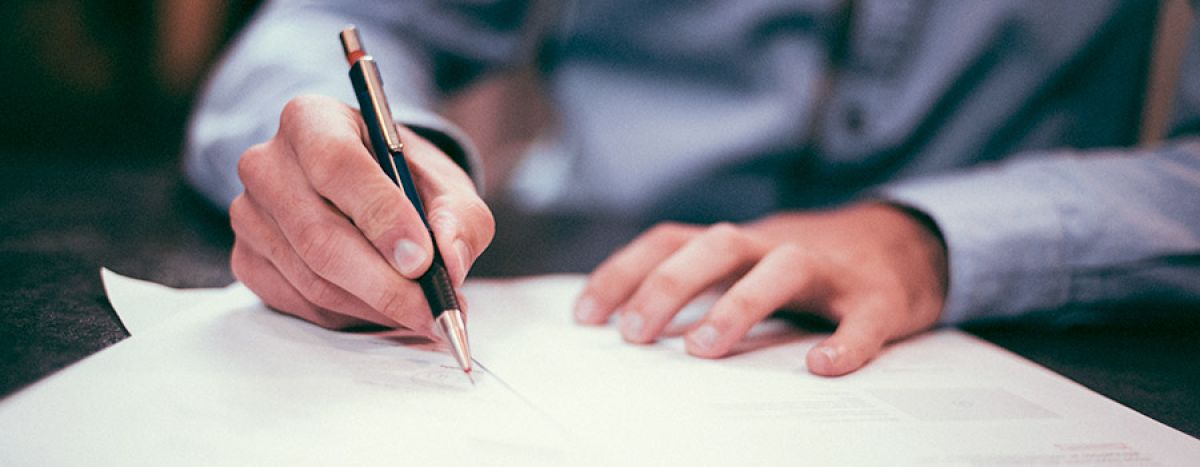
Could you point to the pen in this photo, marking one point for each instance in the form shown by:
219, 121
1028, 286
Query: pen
389, 153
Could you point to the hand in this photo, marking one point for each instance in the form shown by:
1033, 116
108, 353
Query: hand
323, 234
872, 268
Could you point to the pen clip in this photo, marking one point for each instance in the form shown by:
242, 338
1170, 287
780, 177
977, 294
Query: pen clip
357, 55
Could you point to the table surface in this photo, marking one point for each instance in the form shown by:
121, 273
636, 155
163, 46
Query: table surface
61, 219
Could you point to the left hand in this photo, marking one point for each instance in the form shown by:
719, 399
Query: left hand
870, 267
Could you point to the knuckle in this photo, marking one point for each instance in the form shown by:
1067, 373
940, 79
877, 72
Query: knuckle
665, 282
317, 246
305, 124
666, 235
743, 304
725, 237
323, 161
392, 302
253, 164
724, 229
239, 215
280, 252
481, 217
321, 293
299, 108
666, 229
792, 255
375, 214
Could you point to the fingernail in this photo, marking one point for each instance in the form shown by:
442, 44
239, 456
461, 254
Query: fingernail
460, 249
703, 338
631, 325
408, 256
830, 353
585, 309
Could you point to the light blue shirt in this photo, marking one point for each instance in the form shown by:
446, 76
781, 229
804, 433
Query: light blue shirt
989, 116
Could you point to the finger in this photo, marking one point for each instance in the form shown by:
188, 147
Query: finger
433, 171
327, 140
461, 237
326, 241
858, 338
261, 277
262, 236
717, 253
460, 220
615, 280
782, 276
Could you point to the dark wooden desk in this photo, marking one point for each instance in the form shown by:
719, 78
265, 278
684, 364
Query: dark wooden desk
62, 219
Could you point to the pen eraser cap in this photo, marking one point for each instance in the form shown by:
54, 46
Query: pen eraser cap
352, 44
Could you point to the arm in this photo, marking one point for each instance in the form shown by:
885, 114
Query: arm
290, 49
1056, 231
321, 233
1072, 230
1063, 232
1068, 231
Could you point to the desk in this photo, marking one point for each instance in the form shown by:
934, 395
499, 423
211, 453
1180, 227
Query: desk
62, 219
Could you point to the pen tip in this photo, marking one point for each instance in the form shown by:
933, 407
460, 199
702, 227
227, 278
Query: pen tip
469, 377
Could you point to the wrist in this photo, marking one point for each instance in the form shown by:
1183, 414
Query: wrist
919, 236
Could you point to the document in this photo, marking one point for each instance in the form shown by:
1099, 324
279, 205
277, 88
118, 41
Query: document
228, 381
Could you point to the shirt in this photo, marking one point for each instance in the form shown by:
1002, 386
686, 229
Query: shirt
998, 119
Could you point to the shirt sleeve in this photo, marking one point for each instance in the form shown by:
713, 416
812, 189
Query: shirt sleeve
425, 48
1074, 233
1067, 230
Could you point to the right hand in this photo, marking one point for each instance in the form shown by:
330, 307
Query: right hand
323, 234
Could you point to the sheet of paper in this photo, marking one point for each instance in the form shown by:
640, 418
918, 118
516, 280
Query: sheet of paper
142, 305
944, 398
230, 382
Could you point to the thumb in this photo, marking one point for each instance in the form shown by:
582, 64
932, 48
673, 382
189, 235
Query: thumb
857, 340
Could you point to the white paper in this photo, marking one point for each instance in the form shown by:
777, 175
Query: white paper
943, 398
142, 305
231, 382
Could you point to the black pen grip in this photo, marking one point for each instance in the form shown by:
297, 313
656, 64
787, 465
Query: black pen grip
436, 284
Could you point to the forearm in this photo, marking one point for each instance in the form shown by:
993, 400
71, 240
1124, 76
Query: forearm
292, 49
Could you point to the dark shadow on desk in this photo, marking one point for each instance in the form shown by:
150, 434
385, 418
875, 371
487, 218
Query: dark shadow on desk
62, 218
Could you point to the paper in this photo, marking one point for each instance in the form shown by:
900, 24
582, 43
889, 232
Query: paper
230, 382
142, 305
944, 398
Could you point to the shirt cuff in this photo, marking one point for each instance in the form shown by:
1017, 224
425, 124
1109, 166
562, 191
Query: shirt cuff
1004, 241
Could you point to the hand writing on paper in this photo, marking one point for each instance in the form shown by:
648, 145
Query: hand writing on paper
323, 234
872, 268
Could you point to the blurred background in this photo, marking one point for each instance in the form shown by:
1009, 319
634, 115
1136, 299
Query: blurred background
94, 96
106, 77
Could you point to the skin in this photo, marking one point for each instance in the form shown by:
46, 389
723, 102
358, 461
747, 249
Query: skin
871, 268
322, 234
